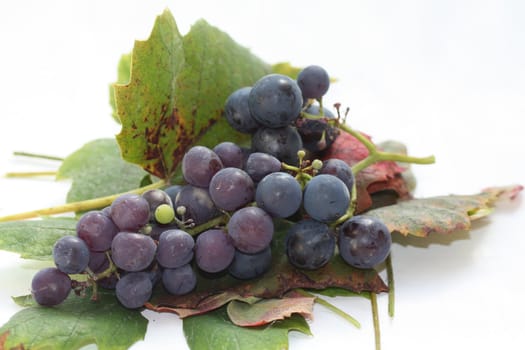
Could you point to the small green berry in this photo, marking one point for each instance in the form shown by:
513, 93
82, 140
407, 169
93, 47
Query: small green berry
164, 214
317, 164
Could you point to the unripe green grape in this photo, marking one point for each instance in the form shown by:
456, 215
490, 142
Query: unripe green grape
164, 214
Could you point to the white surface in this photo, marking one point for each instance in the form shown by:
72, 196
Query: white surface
446, 77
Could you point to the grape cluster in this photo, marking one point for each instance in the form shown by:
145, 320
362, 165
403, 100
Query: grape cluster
221, 220
271, 109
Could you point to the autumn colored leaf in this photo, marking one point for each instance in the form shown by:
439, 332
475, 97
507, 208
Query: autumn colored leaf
269, 310
442, 214
176, 93
378, 177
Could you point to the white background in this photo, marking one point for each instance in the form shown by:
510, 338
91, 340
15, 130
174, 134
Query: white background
445, 77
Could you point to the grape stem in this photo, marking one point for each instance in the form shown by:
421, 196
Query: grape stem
375, 318
30, 174
40, 156
390, 280
331, 307
375, 155
85, 205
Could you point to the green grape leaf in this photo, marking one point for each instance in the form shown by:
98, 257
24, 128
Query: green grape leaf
34, 239
176, 93
98, 170
215, 331
442, 214
269, 310
123, 76
76, 322
282, 277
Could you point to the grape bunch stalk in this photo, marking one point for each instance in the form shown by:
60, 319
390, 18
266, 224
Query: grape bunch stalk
222, 218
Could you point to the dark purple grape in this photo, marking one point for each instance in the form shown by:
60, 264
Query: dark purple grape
133, 251
313, 81
199, 165
275, 101
279, 194
179, 281
340, 169
71, 254
172, 191
251, 229
154, 230
97, 230
50, 286
309, 244
364, 241
198, 203
98, 261
130, 212
134, 289
326, 198
156, 197
238, 113
282, 143
214, 251
317, 134
175, 248
260, 164
230, 154
248, 266
231, 188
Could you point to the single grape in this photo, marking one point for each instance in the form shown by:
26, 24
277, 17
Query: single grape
179, 281
199, 165
364, 241
155, 198
238, 113
175, 248
309, 244
315, 109
214, 251
282, 143
130, 212
248, 266
313, 81
326, 198
275, 100
172, 191
71, 254
231, 188
230, 154
133, 251
98, 261
97, 230
50, 286
164, 214
260, 164
154, 230
317, 134
134, 289
341, 170
251, 229
198, 203
279, 194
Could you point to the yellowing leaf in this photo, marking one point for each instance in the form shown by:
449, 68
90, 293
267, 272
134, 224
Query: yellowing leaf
443, 214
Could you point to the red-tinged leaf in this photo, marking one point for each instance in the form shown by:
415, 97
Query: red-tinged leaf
378, 177
269, 310
443, 214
